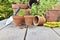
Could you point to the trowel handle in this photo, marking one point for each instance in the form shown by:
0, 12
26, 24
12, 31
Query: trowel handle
17, 10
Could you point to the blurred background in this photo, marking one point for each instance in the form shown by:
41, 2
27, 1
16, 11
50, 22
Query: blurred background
5, 9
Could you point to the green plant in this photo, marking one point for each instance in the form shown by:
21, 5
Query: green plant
22, 12
19, 1
5, 9
42, 7
45, 5
33, 9
24, 1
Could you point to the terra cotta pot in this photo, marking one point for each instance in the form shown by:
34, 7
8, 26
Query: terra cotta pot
22, 6
38, 20
53, 15
28, 11
28, 19
18, 20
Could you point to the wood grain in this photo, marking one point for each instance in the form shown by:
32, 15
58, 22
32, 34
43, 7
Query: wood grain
12, 32
41, 33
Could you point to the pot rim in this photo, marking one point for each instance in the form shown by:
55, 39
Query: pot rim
28, 16
35, 20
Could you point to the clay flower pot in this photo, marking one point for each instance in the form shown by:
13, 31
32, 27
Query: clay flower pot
53, 15
28, 11
38, 20
14, 7
28, 19
23, 6
18, 20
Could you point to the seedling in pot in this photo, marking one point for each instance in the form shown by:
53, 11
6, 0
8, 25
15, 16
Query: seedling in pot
22, 12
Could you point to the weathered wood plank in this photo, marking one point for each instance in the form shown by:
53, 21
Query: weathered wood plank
12, 32
57, 30
41, 33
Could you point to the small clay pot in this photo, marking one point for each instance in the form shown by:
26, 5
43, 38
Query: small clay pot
28, 19
38, 20
22, 6
18, 20
28, 11
14, 6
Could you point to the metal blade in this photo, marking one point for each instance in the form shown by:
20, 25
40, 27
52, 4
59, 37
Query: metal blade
7, 22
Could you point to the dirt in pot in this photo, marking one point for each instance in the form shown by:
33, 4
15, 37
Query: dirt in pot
36, 19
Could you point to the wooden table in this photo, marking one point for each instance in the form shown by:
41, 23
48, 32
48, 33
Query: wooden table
12, 32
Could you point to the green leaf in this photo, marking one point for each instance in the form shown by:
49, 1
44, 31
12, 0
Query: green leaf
22, 12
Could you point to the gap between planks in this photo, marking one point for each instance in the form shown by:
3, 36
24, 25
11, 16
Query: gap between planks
56, 32
26, 32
